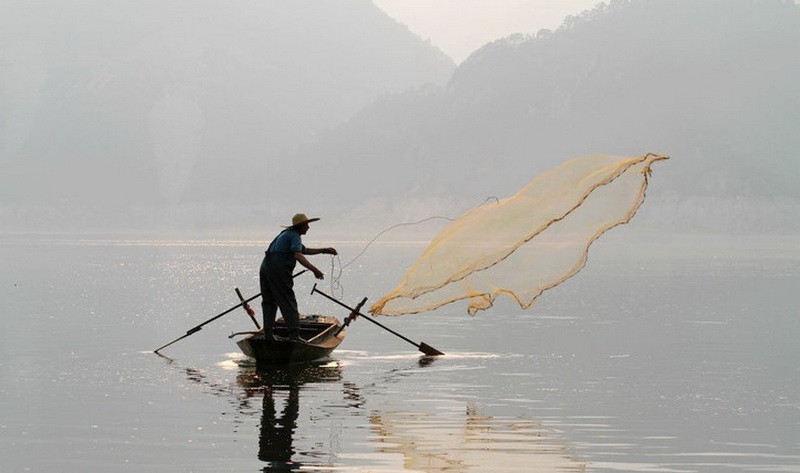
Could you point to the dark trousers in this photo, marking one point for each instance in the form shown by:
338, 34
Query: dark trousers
277, 291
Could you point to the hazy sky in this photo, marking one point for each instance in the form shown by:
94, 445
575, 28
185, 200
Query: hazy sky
459, 27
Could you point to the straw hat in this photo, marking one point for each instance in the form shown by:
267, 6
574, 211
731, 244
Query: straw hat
300, 219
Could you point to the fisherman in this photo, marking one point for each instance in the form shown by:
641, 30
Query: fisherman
276, 278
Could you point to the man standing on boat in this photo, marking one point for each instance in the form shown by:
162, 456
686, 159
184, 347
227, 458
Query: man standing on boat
277, 283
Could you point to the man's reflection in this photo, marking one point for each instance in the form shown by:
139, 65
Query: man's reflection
279, 392
277, 431
276, 439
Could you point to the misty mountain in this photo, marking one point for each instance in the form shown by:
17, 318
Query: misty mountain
117, 105
713, 84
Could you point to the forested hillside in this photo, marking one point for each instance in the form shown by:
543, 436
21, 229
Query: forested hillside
712, 84
114, 111
215, 115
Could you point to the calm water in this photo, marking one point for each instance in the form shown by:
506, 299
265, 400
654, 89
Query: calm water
673, 355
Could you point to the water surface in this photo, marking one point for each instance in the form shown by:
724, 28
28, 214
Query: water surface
682, 359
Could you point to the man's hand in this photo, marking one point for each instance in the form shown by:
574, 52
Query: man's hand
331, 251
318, 274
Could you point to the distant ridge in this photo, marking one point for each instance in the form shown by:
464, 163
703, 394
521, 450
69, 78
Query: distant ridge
713, 84
116, 111
205, 118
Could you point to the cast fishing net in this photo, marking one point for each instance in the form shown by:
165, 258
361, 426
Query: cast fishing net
526, 243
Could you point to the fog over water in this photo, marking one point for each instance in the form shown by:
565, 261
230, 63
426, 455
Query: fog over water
150, 150
203, 117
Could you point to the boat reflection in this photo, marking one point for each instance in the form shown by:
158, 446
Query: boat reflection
279, 390
276, 395
310, 418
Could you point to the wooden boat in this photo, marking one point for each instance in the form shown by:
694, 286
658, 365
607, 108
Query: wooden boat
321, 333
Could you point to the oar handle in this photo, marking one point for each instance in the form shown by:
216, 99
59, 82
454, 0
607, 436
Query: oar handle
353, 314
427, 349
196, 329
247, 308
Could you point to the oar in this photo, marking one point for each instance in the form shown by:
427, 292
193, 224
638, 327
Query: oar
247, 308
352, 316
423, 347
200, 327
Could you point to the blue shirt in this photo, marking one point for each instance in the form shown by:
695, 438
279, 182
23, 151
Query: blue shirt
288, 241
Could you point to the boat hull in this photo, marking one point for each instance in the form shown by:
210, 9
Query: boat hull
321, 333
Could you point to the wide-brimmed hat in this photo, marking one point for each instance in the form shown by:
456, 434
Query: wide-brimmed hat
300, 219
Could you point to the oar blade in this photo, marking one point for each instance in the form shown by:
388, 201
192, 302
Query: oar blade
429, 350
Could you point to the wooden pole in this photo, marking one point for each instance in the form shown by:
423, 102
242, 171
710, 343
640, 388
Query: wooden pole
423, 347
196, 329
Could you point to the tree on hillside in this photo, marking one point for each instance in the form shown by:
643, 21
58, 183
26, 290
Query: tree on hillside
714, 84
